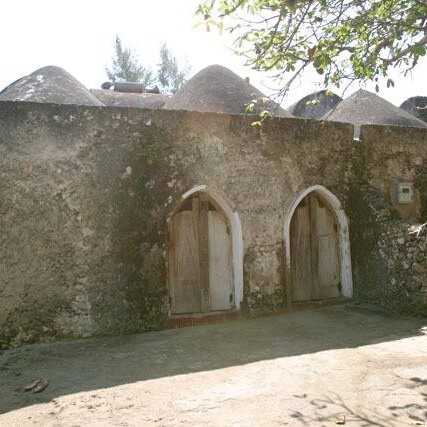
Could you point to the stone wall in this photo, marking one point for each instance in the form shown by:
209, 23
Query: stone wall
405, 254
388, 154
388, 262
389, 258
85, 193
78, 256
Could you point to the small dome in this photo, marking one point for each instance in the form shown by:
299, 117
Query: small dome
417, 106
49, 84
314, 105
218, 89
363, 107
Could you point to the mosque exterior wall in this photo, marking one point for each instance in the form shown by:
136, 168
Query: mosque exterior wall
85, 194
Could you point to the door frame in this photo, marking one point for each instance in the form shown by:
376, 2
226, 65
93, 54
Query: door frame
236, 236
343, 239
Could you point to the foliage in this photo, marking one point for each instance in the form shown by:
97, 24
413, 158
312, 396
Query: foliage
170, 77
127, 68
344, 40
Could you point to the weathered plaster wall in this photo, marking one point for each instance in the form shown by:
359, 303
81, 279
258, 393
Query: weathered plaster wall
389, 263
85, 193
391, 154
75, 231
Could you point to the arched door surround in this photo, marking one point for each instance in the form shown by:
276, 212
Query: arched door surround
317, 247
205, 254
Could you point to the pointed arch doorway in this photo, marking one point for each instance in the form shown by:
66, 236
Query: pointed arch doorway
203, 256
317, 247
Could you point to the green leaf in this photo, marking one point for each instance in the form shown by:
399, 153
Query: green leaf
345, 40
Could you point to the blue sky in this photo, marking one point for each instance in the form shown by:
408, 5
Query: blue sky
79, 37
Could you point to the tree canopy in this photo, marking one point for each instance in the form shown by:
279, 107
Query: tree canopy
170, 77
126, 67
344, 40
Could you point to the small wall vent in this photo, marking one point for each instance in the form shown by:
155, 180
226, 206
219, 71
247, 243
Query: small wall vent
405, 192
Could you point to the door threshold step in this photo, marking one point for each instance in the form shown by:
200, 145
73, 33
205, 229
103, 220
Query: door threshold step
302, 305
193, 319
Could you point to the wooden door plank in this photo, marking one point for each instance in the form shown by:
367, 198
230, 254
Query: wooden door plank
220, 267
203, 231
328, 262
313, 204
301, 255
184, 265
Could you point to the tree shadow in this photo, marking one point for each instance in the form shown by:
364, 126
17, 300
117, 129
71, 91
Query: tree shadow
95, 363
334, 409
414, 411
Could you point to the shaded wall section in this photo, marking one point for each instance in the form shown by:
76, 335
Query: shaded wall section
85, 193
389, 261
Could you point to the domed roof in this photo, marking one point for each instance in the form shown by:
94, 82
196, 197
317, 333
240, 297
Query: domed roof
314, 105
218, 89
417, 106
363, 107
49, 84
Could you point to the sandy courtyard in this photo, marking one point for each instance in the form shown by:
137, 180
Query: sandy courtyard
320, 367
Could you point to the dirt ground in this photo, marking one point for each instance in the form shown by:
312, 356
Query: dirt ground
311, 367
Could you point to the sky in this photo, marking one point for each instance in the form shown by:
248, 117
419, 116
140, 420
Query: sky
79, 37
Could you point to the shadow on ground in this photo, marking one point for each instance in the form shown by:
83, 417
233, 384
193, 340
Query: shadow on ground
330, 410
96, 363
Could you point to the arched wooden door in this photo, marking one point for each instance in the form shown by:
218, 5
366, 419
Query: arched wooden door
200, 258
315, 263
